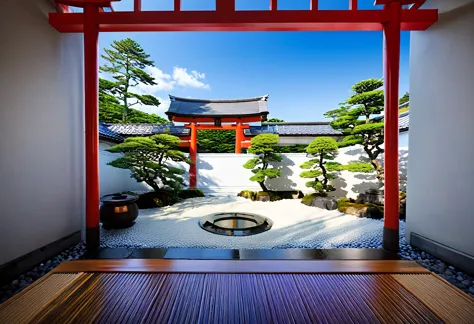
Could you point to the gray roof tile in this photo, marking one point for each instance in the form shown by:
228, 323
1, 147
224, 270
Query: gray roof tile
219, 108
108, 134
148, 129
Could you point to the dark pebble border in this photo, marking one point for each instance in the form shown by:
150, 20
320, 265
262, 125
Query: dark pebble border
407, 252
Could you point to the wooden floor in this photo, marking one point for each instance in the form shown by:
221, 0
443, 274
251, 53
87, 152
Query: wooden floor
239, 291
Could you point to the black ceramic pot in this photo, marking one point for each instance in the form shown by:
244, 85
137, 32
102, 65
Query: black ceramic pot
118, 211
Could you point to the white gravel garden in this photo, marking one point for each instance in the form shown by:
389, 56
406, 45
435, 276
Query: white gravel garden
294, 226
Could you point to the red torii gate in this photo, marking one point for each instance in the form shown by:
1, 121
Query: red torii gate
391, 20
230, 114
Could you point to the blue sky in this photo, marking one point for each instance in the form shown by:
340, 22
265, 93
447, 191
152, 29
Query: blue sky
305, 73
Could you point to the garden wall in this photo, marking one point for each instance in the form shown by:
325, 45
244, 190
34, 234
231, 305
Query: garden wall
223, 174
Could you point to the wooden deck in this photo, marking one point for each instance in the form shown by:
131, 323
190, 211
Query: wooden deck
238, 291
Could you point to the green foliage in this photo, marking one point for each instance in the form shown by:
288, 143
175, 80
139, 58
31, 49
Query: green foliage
126, 63
359, 167
263, 146
147, 157
322, 148
216, 141
405, 98
354, 120
275, 120
190, 193
290, 149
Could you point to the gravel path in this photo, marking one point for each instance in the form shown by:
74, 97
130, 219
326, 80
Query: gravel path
295, 226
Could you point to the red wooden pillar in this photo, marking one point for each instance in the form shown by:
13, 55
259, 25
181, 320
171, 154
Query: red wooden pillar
91, 88
238, 138
193, 156
391, 78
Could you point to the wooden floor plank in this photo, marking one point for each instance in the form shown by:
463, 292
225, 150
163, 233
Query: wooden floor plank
242, 266
23, 307
449, 303
239, 292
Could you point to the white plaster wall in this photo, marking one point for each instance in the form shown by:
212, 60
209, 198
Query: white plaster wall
41, 130
441, 176
114, 180
223, 174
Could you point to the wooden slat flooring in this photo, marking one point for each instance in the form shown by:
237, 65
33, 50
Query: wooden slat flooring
242, 266
91, 292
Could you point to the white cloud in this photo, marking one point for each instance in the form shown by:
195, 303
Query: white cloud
160, 110
192, 79
163, 80
166, 83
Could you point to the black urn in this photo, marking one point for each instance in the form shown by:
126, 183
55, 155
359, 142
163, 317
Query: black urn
118, 211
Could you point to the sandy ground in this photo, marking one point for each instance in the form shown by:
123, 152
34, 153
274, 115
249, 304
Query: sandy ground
294, 226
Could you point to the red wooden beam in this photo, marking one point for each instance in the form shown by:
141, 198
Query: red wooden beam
402, 2
273, 5
337, 20
137, 5
223, 127
352, 4
225, 5
177, 5
91, 88
193, 156
314, 5
391, 162
182, 119
417, 6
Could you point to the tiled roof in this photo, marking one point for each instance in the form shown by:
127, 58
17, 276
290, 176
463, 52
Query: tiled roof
403, 121
218, 108
293, 129
108, 134
148, 129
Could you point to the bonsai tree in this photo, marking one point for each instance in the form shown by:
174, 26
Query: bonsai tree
126, 64
355, 120
320, 168
147, 157
263, 146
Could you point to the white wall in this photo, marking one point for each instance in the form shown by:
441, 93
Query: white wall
114, 180
223, 174
441, 175
41, 130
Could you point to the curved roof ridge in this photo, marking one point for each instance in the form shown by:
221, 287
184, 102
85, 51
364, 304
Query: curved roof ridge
260, 98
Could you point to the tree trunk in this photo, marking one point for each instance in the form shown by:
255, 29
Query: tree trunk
154, 185
262, 185
376, 164
323, 169
378, 167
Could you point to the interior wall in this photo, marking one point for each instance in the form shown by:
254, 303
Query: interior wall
441, 176
41, 130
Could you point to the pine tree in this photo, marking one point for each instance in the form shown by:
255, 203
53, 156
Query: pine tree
263, 146
322, 150
147, 159
355, 120
127, 61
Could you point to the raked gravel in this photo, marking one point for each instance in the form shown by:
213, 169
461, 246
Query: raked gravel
295, 226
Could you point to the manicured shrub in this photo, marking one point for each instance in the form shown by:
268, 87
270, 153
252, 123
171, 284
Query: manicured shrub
319, 169
148, 158
248, 194
190, 193
263, 146
156, 199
